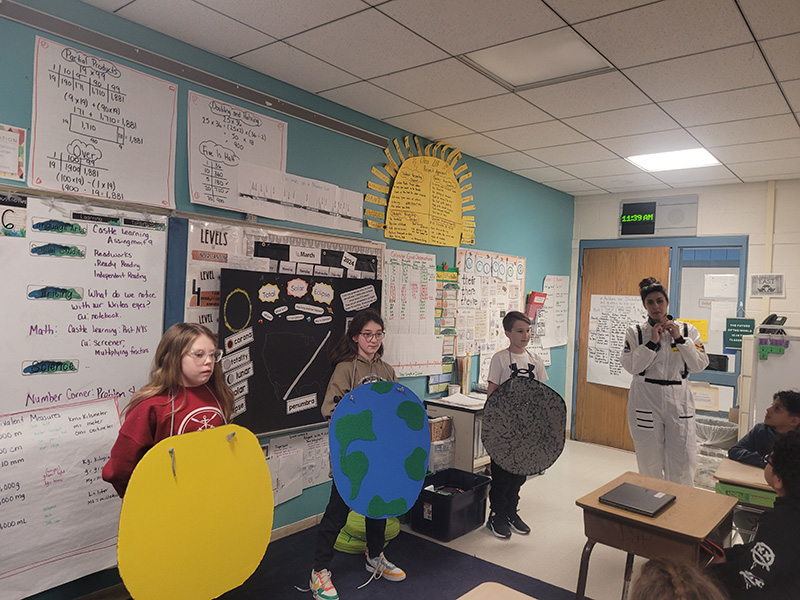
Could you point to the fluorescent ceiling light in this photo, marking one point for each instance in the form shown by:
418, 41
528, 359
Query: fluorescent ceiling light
542, 59
671, 161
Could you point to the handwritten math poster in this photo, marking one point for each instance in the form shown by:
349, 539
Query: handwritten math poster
83, 295
101, 129
222, 136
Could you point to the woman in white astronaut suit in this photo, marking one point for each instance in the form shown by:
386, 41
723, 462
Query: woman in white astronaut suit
660, 353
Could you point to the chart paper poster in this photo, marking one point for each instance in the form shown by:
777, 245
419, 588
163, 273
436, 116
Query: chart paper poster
12, 152
278, 195
609, 319
101, 129
83, 298
554, 311
410, 301
222, 136
59, 518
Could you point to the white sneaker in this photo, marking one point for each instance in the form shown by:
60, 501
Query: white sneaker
383, 568
321, 585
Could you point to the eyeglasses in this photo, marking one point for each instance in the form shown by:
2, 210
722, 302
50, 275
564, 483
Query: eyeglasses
199, 356
768, 459
372, 336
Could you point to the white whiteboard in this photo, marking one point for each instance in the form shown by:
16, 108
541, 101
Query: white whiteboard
221, 136
100, 129
82, 298
777, 372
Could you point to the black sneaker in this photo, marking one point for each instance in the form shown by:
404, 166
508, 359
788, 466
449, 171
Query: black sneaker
518, 525
498, 525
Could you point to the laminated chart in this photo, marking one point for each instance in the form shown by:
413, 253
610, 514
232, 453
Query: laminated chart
222, 136
101, 129
421, 196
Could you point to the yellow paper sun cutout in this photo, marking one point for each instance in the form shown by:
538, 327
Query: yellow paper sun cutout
423, 196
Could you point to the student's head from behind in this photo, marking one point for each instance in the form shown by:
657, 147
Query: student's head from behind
186, 355
783, 465
664, 579
517, 326
654, 298
784, 413
364, 334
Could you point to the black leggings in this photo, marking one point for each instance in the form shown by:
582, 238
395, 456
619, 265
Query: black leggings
332, 522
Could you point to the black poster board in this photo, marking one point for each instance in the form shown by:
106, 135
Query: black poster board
276, 331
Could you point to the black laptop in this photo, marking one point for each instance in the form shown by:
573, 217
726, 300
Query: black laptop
638, 499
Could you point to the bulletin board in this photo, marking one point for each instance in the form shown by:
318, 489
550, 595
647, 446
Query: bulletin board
489, 285
276, 332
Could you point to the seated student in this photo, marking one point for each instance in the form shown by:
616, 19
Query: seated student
781, 417
665, 579
766, 567
504, 491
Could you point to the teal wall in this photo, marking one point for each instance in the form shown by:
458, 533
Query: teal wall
514, 215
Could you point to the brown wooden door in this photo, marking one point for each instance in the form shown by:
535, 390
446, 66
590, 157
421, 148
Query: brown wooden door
600, 410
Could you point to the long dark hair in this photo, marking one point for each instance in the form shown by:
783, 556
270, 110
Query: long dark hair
648, 285
346, 348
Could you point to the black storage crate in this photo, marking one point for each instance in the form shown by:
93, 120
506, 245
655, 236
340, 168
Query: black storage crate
446, 517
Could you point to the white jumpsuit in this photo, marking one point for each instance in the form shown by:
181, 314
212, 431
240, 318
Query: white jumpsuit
660, 404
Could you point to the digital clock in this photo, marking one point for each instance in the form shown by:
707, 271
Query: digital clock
638, 218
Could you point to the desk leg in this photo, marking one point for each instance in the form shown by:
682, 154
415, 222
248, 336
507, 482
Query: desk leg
628, 571
584, 570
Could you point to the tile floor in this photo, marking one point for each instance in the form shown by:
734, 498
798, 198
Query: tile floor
553, 550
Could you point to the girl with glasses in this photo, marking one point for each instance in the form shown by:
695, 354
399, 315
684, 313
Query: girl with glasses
357, 360
187, 392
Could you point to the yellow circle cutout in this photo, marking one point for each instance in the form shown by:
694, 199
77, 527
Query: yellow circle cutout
197, 516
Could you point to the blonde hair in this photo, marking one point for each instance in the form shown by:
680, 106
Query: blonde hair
166, 374
664, 579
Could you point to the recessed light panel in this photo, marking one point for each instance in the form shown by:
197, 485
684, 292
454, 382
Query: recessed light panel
672, 161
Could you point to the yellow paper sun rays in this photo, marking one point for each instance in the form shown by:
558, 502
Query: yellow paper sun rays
420, 195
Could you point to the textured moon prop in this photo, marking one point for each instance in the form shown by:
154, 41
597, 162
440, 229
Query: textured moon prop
379, 440
524, 425
197, 516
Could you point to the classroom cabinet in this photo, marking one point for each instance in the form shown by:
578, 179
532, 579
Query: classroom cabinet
469, 453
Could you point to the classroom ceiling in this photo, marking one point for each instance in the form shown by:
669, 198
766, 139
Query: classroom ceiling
718, 74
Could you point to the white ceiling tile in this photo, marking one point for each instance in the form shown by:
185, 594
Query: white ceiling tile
429, 125
792, 91
513, 161
572, 153
758, 101
460, 26
367, 44
600, 168
786, 168
587, 95
575, 186
477, 144
539, 135
778, 18
648, 143
370, 100
624, 189
730, 180
575, 11
545, 174
698, 175
783, 55
507, 110
717, 71
626, 121
281, 61
196, 25
751, 130
759, 151
280, 18
626, 181
440, 84
664, 30
109, 5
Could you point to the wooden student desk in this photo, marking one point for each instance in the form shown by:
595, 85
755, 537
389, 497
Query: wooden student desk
494, 591
674, 533
744, 482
